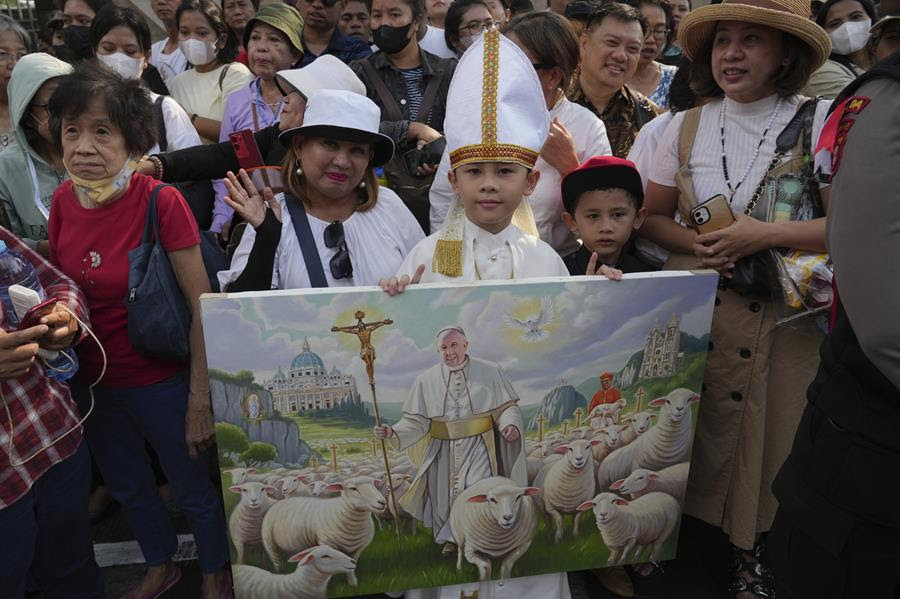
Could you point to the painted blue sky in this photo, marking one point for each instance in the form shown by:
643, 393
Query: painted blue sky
597, 325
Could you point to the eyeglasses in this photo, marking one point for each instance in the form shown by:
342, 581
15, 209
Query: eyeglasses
476, 27
341, 267
541, 66
5, 56
660, 32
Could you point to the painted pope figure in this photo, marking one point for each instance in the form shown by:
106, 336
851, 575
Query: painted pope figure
460, 424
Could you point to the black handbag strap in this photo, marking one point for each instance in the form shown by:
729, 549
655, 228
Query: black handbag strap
390, 109
162, 138
305, 238
151, 229
428, 98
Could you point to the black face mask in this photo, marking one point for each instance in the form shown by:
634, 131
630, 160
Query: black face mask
77, 38
391, 40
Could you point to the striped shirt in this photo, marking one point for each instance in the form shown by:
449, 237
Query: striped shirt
413, 80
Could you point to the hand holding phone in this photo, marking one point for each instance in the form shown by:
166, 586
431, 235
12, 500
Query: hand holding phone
712, 215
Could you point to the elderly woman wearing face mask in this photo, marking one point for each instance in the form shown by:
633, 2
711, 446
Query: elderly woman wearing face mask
847, 23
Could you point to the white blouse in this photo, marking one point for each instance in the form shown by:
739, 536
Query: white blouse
589, 135
744, 126
378, 239
510, 254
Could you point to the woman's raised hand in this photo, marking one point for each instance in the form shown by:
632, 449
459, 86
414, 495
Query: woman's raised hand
247, 201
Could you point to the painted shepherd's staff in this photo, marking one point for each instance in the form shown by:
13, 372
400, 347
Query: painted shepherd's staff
363, 330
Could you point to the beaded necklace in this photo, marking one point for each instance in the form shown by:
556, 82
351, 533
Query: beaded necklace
733, 190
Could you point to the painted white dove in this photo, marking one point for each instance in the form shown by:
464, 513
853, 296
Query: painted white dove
534, 328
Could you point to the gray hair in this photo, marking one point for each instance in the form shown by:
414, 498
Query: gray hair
447, 330
9, 24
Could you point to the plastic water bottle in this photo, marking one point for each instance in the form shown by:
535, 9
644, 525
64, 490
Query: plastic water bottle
16, 270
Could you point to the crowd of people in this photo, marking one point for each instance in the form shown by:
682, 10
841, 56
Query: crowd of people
324, 143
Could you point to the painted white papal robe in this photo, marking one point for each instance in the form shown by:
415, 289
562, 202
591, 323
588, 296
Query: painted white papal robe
451, 426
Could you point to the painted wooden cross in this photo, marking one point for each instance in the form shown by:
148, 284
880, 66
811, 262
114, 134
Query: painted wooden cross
334, 457
565, 427
578, 414
540, 420
639, 396
314, 461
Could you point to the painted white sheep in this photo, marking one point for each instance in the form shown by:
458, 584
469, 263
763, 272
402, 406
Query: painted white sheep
611, 438
671, 480
667, 443
293, 486
315, 567
245, 521
629, 527
320, 489
606, 413
494, 518
240, 476
344, 522
566, 483
638, 424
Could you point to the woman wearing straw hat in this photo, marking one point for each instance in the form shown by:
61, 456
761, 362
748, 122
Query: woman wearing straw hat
751, 58
334, 226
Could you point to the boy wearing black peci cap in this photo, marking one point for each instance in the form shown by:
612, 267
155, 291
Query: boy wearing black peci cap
603, 200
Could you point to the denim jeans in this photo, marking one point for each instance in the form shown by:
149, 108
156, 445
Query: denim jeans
48, 532
122, 421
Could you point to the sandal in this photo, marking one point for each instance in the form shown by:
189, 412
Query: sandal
750, 576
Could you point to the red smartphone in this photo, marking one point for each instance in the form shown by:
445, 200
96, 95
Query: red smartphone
35, 313
246, 150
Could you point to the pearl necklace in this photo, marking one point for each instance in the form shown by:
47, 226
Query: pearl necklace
733, 190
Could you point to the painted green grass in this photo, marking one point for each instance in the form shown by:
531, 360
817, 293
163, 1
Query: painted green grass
382, 566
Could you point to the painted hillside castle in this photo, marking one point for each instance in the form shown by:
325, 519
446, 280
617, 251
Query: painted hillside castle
661, 350
309, 386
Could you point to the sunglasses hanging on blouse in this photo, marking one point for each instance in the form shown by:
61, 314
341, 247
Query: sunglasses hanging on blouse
341, 267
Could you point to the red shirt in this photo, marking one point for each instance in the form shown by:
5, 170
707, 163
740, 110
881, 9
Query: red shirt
91, 246
41, 408
603, 396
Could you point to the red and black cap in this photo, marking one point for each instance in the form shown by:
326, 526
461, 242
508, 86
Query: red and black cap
602, 172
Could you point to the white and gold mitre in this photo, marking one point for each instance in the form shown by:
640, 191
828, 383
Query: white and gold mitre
496, 110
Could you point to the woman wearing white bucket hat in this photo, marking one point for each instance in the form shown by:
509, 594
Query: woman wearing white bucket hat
333, 226
751, 58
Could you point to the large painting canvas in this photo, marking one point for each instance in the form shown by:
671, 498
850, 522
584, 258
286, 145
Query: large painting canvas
526, 427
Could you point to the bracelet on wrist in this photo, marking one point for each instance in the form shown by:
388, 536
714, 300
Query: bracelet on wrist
157, 167
193, 118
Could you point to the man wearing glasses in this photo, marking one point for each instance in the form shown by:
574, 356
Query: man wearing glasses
610, 51
322, 36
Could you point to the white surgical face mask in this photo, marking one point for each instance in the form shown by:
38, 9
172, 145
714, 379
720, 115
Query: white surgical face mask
124, 65
850, 37
198, 52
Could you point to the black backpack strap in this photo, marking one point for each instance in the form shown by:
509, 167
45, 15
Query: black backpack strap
311, 258
162, 139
